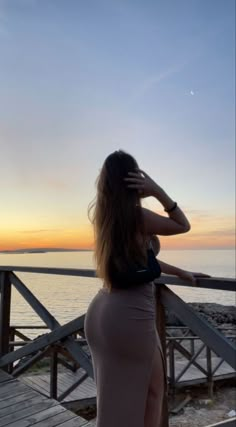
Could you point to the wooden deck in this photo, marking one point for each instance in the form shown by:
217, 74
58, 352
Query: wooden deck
194, 376
21, 406
85, 393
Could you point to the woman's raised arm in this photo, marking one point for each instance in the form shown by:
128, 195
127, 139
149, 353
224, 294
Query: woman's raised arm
176, 223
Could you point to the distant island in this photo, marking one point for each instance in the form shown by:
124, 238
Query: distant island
42, 250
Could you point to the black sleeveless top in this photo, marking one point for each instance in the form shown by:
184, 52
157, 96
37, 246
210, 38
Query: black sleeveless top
137, 275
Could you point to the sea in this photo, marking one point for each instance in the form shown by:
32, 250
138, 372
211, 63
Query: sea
68, 297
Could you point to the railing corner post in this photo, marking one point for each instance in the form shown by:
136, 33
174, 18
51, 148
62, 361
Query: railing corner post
5, 307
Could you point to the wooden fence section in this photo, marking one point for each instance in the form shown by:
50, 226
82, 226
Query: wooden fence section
189, 362
62, 338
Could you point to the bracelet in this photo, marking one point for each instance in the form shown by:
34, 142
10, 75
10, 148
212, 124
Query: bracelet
171, 209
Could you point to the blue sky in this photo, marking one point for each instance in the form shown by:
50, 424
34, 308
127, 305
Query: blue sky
79, 79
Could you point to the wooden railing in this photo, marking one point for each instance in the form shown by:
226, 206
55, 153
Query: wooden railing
63, 339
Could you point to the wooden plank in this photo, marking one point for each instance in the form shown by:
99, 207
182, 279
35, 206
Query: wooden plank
53, 374
11, 388
4, 376
37, 306
48, 270
72, 388
24, 366
207, 283
208, 334
39, 416
18, 415
5, 306
86, 389
22, 405
44, 341
9, 401
220, 283
75, 422
35, 386
225, 423
91, 424
56, 420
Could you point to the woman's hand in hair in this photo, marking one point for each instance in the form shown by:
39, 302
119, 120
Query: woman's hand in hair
142, 182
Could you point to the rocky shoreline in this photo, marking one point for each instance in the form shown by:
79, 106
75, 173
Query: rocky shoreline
218, 315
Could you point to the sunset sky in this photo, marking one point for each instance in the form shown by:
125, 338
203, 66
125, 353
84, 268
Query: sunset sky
82, 78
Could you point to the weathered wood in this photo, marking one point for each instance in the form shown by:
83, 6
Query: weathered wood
91, 424
72, 387
19, 334
191, 359
49, 270
210, 382
30, 410
53, 374
43, 415
209, 335
217, 366
207, 283
5, 307
26, 365
181, 405
20, 406
226, 423
4, 377
171, 365
66, 380
40, 343
29, 327
37, 306
75, 422
56, 420
10, 389
10, 401
73, 347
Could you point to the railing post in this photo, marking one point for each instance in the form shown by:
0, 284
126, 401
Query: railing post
5, 304
53, 373
209, 373
172, 366
11, 347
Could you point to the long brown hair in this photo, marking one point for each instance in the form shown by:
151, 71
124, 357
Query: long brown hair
117, 219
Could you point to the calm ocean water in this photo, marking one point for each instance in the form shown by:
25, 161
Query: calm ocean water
68, 297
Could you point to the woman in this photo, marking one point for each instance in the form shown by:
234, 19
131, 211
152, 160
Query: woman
120, 322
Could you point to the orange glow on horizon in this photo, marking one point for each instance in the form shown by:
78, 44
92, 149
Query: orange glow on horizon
206, 233
78, 240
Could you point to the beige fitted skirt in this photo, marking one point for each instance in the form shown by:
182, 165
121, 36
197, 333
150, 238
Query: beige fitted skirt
121, 333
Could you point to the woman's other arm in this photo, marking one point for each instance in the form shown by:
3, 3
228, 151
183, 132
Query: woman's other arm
179, 272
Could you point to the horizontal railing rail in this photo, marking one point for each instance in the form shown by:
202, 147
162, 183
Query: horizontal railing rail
221, 283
